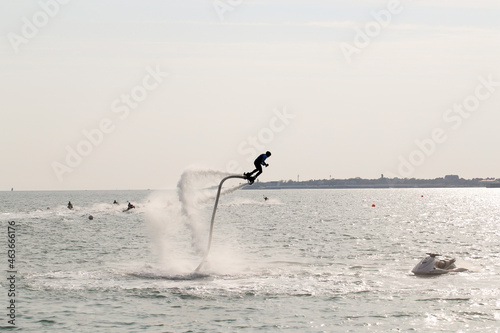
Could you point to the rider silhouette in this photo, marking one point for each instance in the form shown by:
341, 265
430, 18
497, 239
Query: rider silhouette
259, 162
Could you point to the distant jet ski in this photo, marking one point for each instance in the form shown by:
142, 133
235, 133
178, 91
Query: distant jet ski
130, 206
430, 266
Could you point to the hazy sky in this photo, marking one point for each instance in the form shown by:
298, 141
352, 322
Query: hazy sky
122, 94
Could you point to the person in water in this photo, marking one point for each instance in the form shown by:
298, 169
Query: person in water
259, 162
70, 205
115, 202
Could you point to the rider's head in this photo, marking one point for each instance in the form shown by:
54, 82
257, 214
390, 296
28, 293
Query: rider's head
268, 153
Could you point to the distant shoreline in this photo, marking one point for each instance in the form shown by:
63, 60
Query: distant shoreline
263, 187
450, 181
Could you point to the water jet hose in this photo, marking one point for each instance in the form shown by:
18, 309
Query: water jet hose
213, 218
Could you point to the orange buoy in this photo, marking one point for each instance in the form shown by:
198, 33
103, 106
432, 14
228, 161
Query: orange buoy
373, 205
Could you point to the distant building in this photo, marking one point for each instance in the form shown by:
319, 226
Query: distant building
451, 178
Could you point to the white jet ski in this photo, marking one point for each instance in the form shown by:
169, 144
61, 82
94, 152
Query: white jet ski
430, 266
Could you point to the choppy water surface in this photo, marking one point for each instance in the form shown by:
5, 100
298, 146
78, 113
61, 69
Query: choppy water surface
302, 261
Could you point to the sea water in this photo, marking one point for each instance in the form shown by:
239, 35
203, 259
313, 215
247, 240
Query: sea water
301, 261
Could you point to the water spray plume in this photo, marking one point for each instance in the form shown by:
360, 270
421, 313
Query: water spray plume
176, 222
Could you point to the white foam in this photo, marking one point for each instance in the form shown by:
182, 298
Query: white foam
180, 225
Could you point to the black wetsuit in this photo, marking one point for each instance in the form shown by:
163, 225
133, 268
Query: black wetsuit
259, 162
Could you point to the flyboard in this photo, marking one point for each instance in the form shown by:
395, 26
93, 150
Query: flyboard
250, 181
